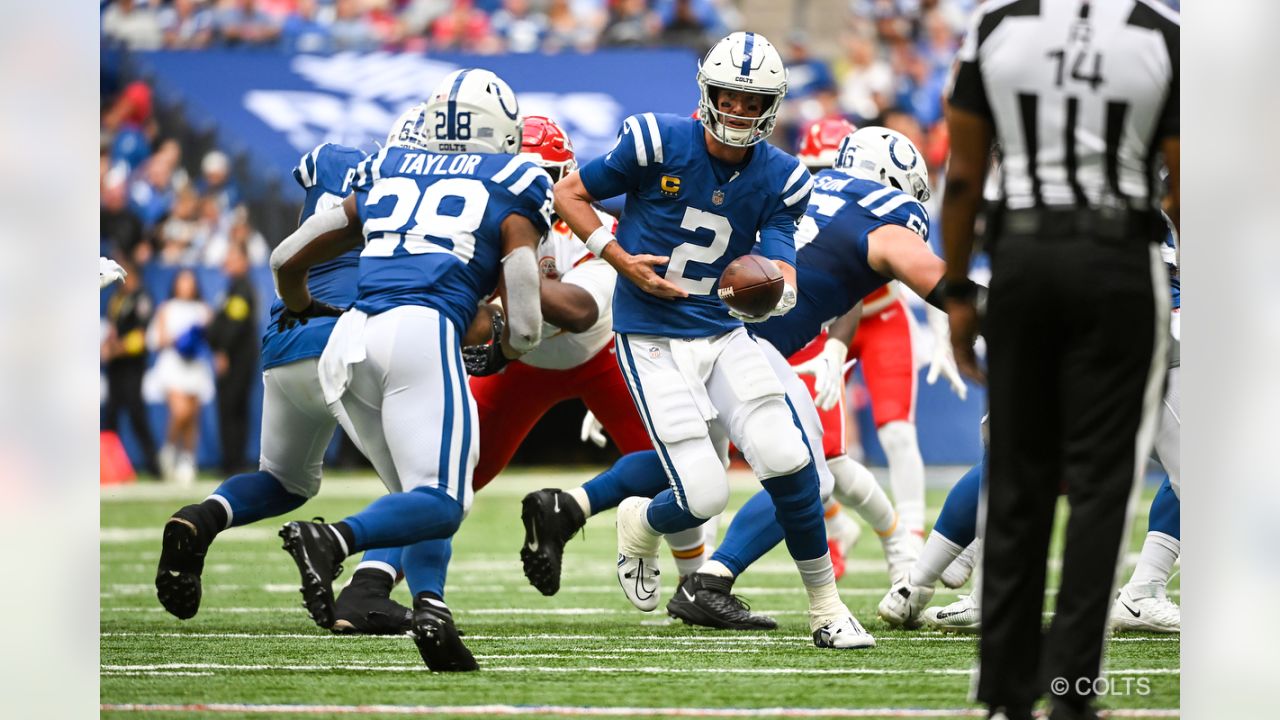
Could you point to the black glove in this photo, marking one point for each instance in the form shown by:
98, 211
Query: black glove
487, 359
289, 318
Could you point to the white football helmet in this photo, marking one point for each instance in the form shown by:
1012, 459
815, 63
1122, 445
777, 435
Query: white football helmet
887, 157
746, 62
470, 111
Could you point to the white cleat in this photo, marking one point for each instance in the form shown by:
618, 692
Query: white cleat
958, 572
843, 633
904, 603
961, 616
638, 555
901, 550
1145, 608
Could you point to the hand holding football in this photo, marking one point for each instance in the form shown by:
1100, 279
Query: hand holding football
751, 284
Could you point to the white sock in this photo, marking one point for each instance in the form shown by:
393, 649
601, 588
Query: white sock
937, 554
715, 567
906, 472
376, 565
225, 506
820, 584
688, 550
856, 488
1155, 564
583, 501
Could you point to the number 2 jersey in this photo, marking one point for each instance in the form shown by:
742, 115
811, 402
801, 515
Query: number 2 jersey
832, 271
432, 226
326, 174
682, 203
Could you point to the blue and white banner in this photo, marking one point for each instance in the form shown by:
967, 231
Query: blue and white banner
276, 107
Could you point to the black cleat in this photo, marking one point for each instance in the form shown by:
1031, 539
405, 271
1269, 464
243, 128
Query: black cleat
705, 600
550, 518
314, 548
182, 551
365, 607
437, 638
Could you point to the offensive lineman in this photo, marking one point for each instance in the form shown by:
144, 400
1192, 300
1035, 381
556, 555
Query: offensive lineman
698, 192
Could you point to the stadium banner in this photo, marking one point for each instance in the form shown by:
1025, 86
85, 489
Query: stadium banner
276, 107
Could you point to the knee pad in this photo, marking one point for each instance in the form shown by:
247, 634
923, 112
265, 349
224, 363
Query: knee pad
898, 437
770, 440
705, 491
853, 482
297, 480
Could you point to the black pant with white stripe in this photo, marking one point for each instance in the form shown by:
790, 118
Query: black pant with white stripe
1076, 333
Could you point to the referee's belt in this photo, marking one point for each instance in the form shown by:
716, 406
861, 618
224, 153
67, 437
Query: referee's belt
1103, 223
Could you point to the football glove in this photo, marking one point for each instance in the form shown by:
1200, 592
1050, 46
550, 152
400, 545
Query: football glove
785, 303
109, 272
592, 430
487, 359
827, 369
943, 361
289, 318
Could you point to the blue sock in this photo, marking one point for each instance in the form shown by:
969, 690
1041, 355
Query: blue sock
255, 496
666, 516
425, 565
1166, 512
958, 521
387, 556
637, 474
798, 507
405, 518
753, 532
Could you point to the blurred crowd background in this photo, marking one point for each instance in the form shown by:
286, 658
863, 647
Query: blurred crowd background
174, 198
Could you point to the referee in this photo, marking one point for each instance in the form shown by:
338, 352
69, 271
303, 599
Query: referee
1081, 101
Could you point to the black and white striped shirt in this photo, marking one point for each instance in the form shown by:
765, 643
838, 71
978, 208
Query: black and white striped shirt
1080, 93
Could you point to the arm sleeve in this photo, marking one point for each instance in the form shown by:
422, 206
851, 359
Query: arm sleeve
637, 150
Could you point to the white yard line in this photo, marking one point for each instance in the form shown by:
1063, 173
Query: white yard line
709, 639
590, 711
632, 670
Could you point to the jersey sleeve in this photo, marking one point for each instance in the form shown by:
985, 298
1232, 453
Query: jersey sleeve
965, 89
305, 172
898, 208
530, 186
777, 237
632, 160
367, 173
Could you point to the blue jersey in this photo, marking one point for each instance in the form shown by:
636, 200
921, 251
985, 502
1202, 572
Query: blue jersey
833, 274
432, 225
702, 213
326, 174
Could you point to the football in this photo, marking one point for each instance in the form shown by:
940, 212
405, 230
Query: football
751, 284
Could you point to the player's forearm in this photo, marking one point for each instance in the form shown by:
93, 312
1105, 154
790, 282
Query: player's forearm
843, 328
788, 272
568, 306
966, 170
574, 205
324, 236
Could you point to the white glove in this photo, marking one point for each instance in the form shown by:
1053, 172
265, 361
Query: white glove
109, 272
827, 369
592, 430
785, 303
943, 362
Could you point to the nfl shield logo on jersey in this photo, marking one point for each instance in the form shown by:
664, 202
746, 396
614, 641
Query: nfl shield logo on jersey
717, 197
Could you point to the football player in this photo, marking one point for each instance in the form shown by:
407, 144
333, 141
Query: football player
447, 214
296, 425
698, 194
574, 360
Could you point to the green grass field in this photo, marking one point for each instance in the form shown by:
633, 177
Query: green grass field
253, 652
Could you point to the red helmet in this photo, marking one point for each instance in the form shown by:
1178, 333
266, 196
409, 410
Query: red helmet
548, 146
822, 140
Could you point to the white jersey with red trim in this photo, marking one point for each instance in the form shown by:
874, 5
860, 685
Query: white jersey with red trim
563, 257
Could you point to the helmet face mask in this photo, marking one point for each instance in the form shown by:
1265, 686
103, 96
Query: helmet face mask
470, 111
887, 157
744, 63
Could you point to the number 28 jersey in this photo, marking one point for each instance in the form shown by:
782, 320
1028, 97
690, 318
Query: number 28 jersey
702, 213
832, 272
432, 226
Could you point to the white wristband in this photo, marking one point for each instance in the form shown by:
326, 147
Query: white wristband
599, 240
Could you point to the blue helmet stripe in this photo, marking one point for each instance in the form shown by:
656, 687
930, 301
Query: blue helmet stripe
746, 53
451, 121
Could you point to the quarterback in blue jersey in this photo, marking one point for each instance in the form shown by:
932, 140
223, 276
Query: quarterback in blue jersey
698, 194
296, 424
447, 213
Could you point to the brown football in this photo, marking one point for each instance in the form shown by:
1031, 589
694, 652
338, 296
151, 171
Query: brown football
751, 284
